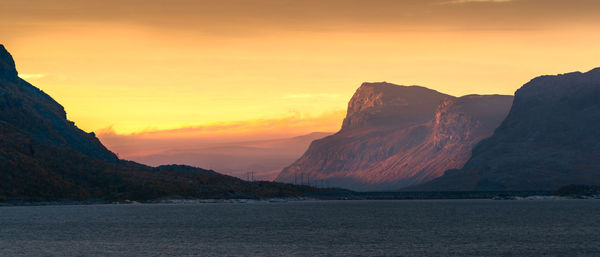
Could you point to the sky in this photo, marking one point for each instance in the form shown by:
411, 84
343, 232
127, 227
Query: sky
277, 68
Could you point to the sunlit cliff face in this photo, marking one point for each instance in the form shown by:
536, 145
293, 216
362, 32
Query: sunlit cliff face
139, 66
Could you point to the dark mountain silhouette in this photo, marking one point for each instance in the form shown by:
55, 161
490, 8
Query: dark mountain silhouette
395, 136
44, 156
551, 138
34, 113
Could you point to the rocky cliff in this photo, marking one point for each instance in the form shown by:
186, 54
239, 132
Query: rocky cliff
551, 138
385, 105
396, 136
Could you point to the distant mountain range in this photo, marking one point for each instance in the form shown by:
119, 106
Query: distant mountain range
44, 156
396, 136
551, 138
263, 157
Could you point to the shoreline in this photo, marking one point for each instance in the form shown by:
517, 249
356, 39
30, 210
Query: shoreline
354, 196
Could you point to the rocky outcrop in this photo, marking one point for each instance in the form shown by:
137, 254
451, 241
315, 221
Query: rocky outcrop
7, 65
385, 105
397, 136
551, 138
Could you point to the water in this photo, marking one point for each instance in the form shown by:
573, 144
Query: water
319, 228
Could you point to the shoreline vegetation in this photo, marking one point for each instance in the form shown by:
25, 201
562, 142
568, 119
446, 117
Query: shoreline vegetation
564, 193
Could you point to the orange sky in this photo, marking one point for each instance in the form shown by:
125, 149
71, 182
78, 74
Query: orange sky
280, 66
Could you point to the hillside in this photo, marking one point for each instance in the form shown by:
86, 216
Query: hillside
551, 138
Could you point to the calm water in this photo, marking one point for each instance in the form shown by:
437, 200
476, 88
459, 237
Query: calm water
326, 228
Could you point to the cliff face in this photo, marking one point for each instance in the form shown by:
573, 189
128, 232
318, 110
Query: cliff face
386, 105
396, 136
550, 138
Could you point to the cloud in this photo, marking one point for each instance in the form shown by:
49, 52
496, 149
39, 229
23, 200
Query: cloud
32, 76
300, 96
293, 124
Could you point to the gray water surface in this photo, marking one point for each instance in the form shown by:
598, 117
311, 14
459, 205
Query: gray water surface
306, 228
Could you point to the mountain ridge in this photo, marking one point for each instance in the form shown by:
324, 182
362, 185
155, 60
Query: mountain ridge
396, 139
380, 103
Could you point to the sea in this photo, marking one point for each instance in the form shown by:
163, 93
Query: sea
539, 227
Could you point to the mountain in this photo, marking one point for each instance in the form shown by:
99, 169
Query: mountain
551, 138
25, 107
44, 156
395, 136
264, 157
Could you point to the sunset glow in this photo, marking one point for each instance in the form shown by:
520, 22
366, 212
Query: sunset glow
133, 66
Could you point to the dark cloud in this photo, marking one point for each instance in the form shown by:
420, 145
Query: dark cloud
231, 16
